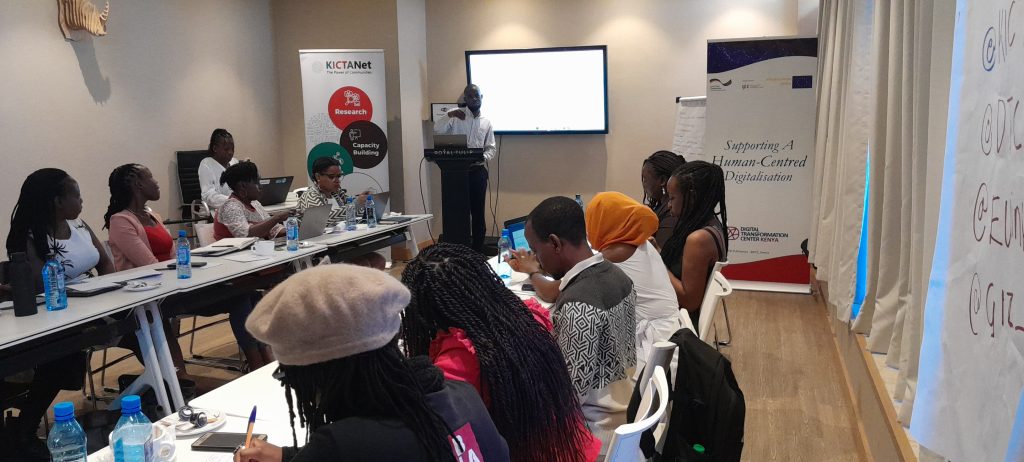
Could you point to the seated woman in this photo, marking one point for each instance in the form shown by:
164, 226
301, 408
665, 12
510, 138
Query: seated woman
698, 241
45, 221
242, 215
222, 156
326, 189
348, 382
479, 332
138, 238
654, 175
621, 228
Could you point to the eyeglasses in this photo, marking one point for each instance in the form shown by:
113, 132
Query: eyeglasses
331, 176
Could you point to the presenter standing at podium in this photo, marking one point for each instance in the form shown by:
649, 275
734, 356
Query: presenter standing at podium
479, 134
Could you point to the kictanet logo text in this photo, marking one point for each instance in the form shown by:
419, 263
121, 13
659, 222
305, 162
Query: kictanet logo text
348, 65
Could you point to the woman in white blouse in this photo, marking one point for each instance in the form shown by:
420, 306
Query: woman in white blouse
222, 156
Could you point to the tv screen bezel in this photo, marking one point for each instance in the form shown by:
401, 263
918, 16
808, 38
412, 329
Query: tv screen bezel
604, 53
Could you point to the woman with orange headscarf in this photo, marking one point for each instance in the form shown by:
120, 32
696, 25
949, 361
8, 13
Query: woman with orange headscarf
620, 228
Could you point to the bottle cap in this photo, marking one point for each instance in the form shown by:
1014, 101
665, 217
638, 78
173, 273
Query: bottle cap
130, 404
504, 232
698, 449
64, 410
181, 233
350, 200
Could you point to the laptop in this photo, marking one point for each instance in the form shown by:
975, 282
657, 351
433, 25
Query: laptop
274, 190
312, 225
380, 203
314, 222
517, 231
449, 141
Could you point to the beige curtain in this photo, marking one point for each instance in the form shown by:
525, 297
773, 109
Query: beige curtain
896, 106
844, 114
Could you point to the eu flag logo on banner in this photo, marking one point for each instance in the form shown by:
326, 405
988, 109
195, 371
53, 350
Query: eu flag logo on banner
802, 81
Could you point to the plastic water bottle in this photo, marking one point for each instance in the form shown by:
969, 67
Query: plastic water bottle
579, 200
504, 253
66, 439
351, 219
291, 226
184, 256
132, 437
53, 278
371, 213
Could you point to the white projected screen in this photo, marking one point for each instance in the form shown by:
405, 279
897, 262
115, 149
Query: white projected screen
543, 91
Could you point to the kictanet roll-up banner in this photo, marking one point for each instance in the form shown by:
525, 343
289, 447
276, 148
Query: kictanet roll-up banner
760, 130
343, 98
970, 387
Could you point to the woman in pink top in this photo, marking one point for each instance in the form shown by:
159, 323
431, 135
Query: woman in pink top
138, 238
477, 331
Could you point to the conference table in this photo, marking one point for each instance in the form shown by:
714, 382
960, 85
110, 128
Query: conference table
259, 388
24, 341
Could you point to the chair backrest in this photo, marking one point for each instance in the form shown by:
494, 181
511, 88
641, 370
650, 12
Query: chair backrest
660, 355
188, 174
204, 234
718, 267
625, 444
718, 287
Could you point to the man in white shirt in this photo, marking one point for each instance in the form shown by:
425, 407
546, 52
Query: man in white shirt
479, 134
222, 155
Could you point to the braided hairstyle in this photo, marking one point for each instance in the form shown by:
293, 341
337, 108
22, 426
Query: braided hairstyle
35, 213
663, 163
218, 135
121, 181
532, 400
377, 384
703, 187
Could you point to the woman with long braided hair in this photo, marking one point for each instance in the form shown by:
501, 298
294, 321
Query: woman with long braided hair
696, 195
349, 384
478, 331
654, 176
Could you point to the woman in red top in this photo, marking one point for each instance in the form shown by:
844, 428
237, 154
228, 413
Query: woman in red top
138, 238
477, 331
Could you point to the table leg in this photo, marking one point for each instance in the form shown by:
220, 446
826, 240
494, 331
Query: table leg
163, 351
151, 376
414, 245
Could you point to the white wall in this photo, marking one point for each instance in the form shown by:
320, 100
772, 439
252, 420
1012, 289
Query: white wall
164, 77
656, 51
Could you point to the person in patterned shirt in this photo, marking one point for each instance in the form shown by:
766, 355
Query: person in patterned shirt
594, 316
326, 189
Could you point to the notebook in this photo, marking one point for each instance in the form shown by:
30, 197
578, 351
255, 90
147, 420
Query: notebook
225, 246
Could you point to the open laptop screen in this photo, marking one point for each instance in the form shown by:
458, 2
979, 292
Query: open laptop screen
517, 230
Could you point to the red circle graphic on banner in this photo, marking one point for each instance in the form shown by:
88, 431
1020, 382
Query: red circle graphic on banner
347, 105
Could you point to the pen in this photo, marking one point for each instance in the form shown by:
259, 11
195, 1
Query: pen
252, 420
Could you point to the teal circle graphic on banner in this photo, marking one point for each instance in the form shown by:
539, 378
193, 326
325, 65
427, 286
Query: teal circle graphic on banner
329, 149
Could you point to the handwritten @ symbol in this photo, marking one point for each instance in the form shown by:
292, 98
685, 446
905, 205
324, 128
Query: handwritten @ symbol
988, 49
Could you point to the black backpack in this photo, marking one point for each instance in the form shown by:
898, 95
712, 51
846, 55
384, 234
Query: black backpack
707, 407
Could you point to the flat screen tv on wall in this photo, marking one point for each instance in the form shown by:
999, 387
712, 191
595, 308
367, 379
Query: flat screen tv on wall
543, 90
